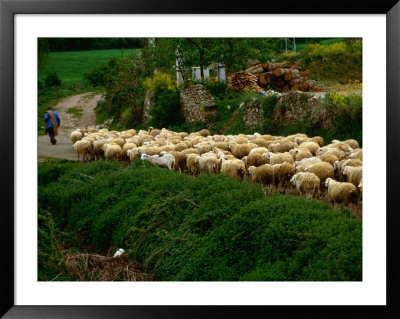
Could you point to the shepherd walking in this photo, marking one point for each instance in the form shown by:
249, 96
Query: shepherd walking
52, 123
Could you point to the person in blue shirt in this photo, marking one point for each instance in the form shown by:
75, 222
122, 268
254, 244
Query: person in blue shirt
52, 121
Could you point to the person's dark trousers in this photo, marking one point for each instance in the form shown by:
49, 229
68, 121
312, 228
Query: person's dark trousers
53, 140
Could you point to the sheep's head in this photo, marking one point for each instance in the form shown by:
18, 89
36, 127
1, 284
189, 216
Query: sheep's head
144, 156
251, 170
128, 153
197, 159
293, 180
345, 170
269, 156
348, 151
335, 165
327, 181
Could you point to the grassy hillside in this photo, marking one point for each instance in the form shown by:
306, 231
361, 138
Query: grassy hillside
210, 228
301, 43
71, 65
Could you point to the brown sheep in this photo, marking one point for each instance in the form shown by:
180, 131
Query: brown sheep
241, 150
302, 153
263, 174
204, 132
323, 170
191, 163
353, 174
338, 192
234, 168
311, 146
283, 173
282, 147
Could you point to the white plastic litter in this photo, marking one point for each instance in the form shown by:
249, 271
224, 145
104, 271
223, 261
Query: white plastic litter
119, 252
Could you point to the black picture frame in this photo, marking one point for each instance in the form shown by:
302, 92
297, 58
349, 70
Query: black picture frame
8, 8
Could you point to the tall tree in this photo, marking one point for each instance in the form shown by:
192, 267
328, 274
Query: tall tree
199, 51
43, 52
233, 53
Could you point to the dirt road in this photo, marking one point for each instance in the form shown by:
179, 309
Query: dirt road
69, 121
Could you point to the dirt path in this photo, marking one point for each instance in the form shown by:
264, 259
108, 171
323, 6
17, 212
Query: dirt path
81, 103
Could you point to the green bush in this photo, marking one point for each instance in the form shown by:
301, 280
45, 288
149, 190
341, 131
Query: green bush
206, 228
52, 80
269, 106
101, 75
166, 108
50, 264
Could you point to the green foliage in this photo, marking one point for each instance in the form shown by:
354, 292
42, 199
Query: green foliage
52, 79
206, 228
218, 90
43, 52
340, 61
75, 44
166, 108
125, 93
102, 74
188, 127
269, 106
50, 263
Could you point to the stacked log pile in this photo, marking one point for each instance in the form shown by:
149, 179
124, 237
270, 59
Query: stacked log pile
242, 81
282, 77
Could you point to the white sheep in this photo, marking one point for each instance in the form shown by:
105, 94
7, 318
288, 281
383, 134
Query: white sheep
208, 162
166, 161
76, 136
83, 147
306, 183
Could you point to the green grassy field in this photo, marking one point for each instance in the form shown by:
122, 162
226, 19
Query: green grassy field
71, 65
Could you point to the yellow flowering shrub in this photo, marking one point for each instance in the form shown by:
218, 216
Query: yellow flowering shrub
159, 79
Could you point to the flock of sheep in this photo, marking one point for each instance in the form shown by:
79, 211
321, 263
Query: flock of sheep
292, 164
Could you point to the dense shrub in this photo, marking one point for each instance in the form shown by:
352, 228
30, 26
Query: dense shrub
159, 79
102, 75
206, 228
52, 80
166, 107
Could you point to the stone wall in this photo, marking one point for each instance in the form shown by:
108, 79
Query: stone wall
289, 108
293, 106
253, 114
197, 103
